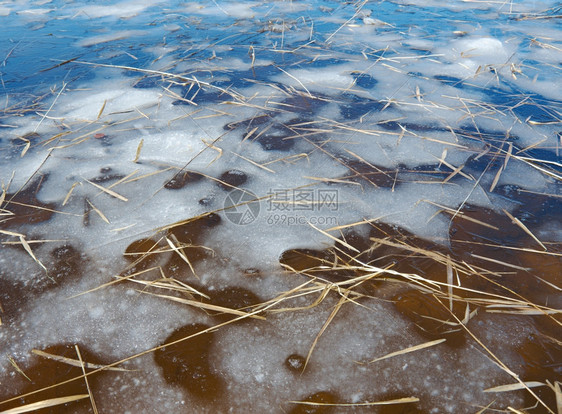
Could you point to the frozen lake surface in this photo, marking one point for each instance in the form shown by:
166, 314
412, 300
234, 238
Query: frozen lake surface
283, 206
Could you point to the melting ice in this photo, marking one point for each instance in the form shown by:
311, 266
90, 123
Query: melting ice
337, 203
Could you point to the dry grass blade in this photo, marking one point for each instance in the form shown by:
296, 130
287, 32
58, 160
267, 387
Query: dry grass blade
343, 243
456, 170
513, 410
206, 306
515, 387
324, 290
11, 233
460, 214
489, 259
375, 168
335, 311
113, 282
102, 109
181, 78
558, 393
450, 282
410, 349
18, 369
45, 404
299, 82
171, 284
180, 253
92, 401
69, 193
108, 191
139, 148
515, 220
30, 252
26, 147
257, 164
503, 366
98, 211
496, 179
2, 196
42, 208
74, 362
404, 400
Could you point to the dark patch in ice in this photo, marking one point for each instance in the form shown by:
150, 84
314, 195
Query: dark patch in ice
306, 259
397, 126
252, 272
190, 235
354, 106
304, 103
357, 241
68, 265
549, 160
525, 105
200, 94
141, 253
364, 80
387, 246
192, 230
243, 78
12, 299
541, 154
493, 227
421, 52
44, 372
147, 82
392, 245
30, 136
106, 175
368, 174
322, 63
272, 136
230, 179
104, 139
277, 138
483, 242
431, 317
25, 207
206, 201
295, 363
249, 123
87, 211
541, 362
321, 397
186, 364
450, 80
234, 297
182, 178
432, 172
314, 262
533, 209
410, 408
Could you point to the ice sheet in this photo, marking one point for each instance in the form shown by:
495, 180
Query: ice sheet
332, 119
